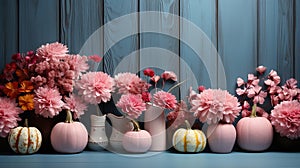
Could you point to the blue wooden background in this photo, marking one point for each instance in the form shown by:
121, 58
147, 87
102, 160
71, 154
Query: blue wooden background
246, 33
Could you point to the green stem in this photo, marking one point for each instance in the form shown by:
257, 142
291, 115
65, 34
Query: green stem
188, 125
135, 125
69, 117
26, 122
175, 86
253, 113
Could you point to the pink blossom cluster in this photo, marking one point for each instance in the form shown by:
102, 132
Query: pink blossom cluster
214, 105
251, 92
55, 75
286, 119
135, 92
9, 115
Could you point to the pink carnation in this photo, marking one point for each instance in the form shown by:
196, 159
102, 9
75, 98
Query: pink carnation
54, 50
273, 79
9, 115
213, 105
131, 104
286, 119
130, 83
165, 100
261, 69
76, 105
95, 87
149, 72
48, 102
169, 75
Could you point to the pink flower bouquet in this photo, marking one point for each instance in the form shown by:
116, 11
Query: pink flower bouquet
284, 100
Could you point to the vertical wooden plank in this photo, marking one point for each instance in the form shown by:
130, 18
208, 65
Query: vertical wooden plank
38, 23
237, 38
160, 51
267, 33
297, 40
79, 20
8, 43
8, 30
120, 54
285, 46
202, 13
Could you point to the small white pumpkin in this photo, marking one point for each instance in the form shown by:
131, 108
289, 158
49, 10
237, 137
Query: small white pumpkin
25, 140
188, 140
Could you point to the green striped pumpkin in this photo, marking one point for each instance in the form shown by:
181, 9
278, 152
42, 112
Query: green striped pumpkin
189, 140
25, 140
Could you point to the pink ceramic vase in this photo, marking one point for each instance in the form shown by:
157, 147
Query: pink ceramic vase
254, 133
155, 124
221, 137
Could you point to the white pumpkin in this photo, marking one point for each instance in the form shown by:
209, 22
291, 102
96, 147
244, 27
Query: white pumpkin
25, 140
188, 140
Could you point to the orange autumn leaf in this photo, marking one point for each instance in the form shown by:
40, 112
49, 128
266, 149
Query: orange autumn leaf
26, 102
26, 87
11, 89
22, 74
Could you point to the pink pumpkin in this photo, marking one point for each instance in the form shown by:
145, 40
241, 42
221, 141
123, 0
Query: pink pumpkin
69, 136
254, 133
137, 141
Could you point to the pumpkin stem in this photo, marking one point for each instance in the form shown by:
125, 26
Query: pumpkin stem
253, 113
135, 125
26, 122
188, 125
69, 117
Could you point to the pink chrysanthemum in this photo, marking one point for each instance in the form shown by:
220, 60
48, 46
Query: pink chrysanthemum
76, 105
54, 50
130, 83
48, 102
78, 64
95, 87
286, 119
131, 104
9, 115
261, 69
214, 105
164, 100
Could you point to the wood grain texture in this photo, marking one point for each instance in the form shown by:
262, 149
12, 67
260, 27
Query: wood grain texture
297, 40
79, 20
117, 49
267, 34
237, 38
8, 31
157, 50
202, 13
38, 23
285, 46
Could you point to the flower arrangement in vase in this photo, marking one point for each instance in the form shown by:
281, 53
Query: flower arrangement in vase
48, 82
136, 97
217, 108
255, 132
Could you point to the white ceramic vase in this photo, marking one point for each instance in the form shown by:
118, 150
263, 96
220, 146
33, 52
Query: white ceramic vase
97, 138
